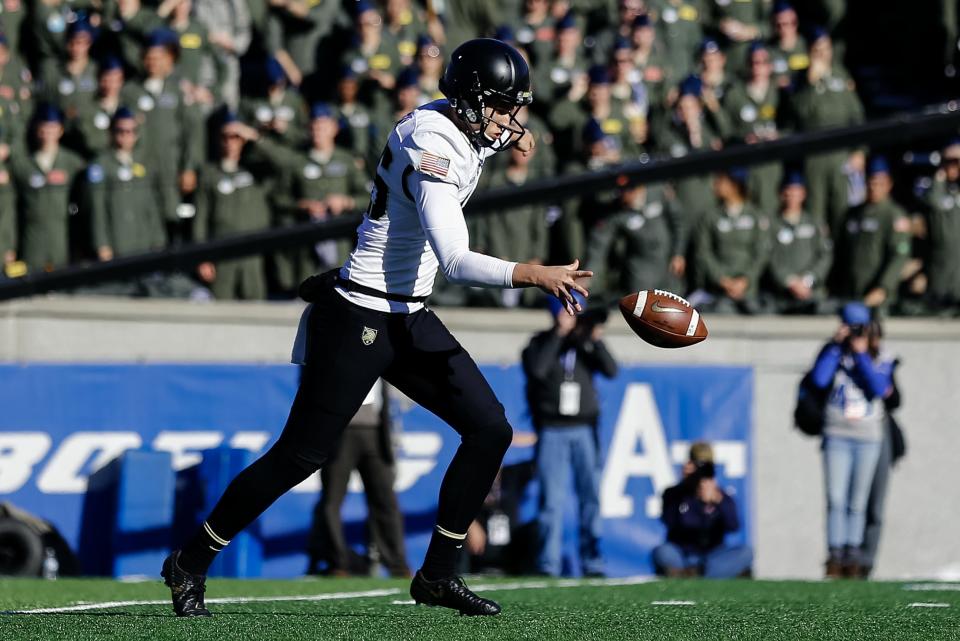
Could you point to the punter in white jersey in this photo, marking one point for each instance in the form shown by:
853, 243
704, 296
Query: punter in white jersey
367, 320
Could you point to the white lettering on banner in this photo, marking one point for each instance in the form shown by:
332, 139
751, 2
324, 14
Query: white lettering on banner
64, 472
19, 452
186, 446
253, 441
638, 424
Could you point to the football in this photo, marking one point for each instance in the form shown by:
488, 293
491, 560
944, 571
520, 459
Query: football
662, 318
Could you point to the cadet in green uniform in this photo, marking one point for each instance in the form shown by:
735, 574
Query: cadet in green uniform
358, 130
563, 75
122, 196
652, 61
741, 22
732, 248
943, 232
826, 99
44, 182
88, 133
535, 32
400, 29
280, 113
72, 83
128, 26
875, 243
715, 82
16, 81
12, 15
653, 234
375, 63
8, 213
568, 118
47, 31
686, 131
199, 64
232, 199
679, 25
296, 30
171, 135
628, 88
787, 46
801, 257
751, 110
318, 183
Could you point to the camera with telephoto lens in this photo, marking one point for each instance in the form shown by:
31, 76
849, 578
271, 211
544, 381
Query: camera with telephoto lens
858, 330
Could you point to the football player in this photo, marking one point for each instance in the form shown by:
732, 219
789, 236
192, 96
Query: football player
368, 320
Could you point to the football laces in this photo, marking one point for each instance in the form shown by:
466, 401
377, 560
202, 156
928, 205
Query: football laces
679, 299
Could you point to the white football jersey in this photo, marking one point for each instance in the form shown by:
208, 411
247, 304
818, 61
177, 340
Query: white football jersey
404, 224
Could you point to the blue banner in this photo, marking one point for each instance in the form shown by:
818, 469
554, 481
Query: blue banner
60, 423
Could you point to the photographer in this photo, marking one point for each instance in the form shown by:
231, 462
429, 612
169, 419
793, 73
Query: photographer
698, 516
559, 364
855, 418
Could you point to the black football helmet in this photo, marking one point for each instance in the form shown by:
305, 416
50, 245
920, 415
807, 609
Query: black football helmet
487, 73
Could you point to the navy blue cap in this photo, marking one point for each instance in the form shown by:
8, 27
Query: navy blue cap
228, 117
691, 86
363, 6
738, 174
555, 307
599, 75
622, 43
504, 33
47, 113
781, 5
424, 40
593, 132
757, 45
568, 21
347, 72
409, 77
274, 71
878, 165
855, 314
81, 26
818, 32
792, 178
641, 20
122, 113
162, 38
709, 45
321, 110
110, 63
3, 39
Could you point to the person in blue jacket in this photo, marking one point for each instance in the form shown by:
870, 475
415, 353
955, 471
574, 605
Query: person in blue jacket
854, 424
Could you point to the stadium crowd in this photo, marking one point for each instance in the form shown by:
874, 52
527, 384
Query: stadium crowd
126, 127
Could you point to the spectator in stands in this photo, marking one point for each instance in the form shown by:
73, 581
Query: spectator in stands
650, 58
16, 80
714, 81
825, 97
628, 88
874, 244
201, 67
88, 133
560, 364
750, 111
645, 220
365, 446
801, 255
741, 23
854, 420
358, 131
535, 31
943, 233
230, 30
698, 516
279, 112
680, 29
374, 62
44, 180
297, 30
401, 21
232, 199
71, 83
429, 65
787, 46
563, 75
122, 195
732, 248
8, 215
11, 24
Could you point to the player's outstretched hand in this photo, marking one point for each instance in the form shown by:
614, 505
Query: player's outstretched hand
556, 280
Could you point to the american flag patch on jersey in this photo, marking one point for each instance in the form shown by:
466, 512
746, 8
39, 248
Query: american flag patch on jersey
434, 164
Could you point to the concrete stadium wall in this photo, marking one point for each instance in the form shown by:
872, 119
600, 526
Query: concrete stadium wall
922, 516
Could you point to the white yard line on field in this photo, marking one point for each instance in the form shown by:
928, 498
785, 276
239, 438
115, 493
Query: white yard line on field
932, 587
338, 596
929, 605
673, 603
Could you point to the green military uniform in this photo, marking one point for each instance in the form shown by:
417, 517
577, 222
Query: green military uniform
8, 212
748, 116
287, 107
122, 200
552, 81
731, 245
306, 175
753, 13
658, 76
403, 37
651, 234
301, 37
786, 63
16, 84
199, 62
943, 225
43, 204
695, 193
12, 15
567, 120
47, 32
360, 133
539, 39
72, 93
88, 133
129, 34
385, 59
873, 249
231, 202
679, 28
831, 102
171, 137
800, 249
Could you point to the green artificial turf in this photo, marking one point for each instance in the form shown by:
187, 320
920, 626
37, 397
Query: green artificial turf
540, 609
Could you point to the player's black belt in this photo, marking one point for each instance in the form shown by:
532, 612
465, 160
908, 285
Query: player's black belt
351, 286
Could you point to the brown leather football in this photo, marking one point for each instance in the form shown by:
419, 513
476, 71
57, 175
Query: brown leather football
662, 318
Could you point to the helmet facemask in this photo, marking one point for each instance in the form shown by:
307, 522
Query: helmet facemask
477, 110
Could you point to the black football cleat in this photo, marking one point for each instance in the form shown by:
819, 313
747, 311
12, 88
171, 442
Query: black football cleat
185, 588
451, 593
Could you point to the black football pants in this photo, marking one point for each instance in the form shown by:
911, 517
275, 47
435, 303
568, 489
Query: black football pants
348, 348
